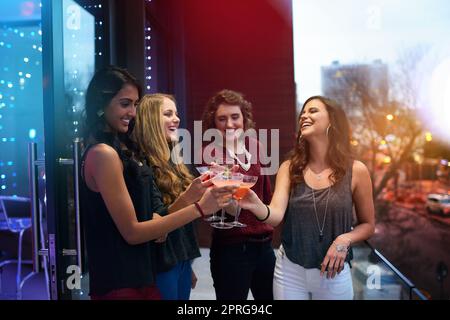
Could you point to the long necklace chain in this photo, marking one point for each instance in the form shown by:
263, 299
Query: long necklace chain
325, 214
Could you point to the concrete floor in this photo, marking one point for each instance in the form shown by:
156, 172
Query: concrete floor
204, 289
35, 289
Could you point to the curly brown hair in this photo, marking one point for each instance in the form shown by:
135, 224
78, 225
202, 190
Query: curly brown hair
339, 154
227, 97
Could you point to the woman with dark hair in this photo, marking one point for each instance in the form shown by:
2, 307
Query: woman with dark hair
156, 133
242, 258
119, 198
315, 192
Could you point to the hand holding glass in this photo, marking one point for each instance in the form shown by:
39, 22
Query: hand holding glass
222, 179
202, 170
239, 194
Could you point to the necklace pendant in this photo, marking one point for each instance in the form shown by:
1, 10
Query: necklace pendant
320, 237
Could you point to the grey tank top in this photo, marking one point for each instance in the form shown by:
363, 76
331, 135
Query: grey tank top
300, 235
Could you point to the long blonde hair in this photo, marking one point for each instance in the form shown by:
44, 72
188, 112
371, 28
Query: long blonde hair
149, 134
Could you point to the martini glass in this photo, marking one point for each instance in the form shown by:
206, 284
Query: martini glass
239, 194
222, 179
202, 170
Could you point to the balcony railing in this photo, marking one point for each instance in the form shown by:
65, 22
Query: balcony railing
376, 278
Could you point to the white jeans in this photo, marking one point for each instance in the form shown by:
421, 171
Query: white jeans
293, 282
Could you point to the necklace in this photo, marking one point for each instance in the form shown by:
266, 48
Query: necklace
325, 214
317, 175
247, 157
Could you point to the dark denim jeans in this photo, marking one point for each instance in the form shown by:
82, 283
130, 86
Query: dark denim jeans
175, 284
236, 268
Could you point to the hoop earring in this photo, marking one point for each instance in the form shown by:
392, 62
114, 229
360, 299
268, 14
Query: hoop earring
328, 130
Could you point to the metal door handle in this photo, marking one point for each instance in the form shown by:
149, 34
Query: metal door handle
76, 175
35, 214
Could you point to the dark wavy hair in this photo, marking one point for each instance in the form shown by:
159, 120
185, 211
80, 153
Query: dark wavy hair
228, 97
339, 154
104, 85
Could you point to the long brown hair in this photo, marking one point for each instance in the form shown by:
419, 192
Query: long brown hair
171, 178
339, 154
227, 97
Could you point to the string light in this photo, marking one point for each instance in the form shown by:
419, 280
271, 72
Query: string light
32, 133
20, 94
148, 55
21, 86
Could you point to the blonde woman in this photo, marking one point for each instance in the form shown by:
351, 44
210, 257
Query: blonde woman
156, 134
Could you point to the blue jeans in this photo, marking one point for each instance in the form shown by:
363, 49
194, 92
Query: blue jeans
238, 268
175, 284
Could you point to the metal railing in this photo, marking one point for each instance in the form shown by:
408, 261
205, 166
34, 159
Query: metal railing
376, 278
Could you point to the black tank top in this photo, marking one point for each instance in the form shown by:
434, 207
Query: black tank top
112, 262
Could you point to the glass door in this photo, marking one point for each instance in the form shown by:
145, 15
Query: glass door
21, 123
68, 65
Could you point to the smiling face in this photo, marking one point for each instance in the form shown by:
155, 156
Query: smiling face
122, 109
314, 119
228, 119
170, 120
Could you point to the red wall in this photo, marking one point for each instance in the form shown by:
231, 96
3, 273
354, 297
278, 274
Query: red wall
243, 45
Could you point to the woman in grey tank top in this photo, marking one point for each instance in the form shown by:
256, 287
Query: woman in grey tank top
315, 192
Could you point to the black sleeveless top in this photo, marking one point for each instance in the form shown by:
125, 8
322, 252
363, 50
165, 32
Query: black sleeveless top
300, 235
113, 263
180, 245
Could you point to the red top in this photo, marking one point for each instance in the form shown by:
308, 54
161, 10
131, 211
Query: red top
255, 230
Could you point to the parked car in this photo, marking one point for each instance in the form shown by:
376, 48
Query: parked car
438, 203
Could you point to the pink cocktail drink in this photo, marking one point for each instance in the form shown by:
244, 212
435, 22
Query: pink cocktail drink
243, 189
